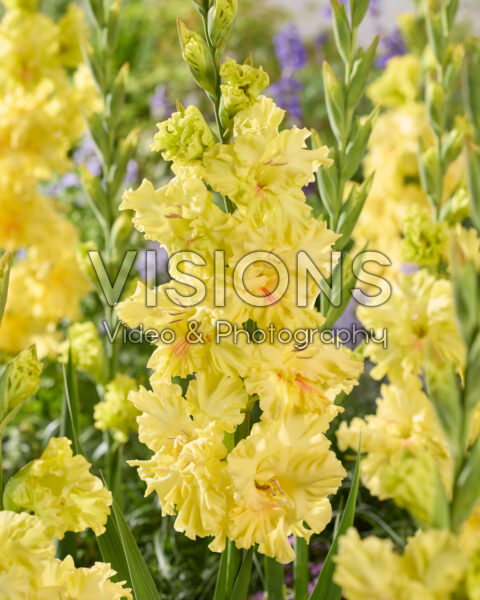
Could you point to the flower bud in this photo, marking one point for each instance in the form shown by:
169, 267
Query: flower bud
184, 138
436, 106
83, 260
220, 20
195, 53
424, 241
241, 86
18, 382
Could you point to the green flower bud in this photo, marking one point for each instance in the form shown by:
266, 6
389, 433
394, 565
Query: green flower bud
241, 86
122, 229
195, 53
83, 260
436, 106
18, 382
220, 20
457, 207
430, 174
413, 31
425, 241
455, 56
86, 349
184, 138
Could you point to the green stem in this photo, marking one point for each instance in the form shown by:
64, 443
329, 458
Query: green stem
300, 569
274, 576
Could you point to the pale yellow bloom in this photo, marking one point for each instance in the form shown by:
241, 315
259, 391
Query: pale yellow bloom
431, 567
264, 176
26, 551
115, 412
406, 449
282, 475
59, 488
286, 378
187, 470
420, 320
399, 83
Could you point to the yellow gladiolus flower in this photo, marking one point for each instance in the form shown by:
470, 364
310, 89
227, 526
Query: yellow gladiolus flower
399, 83
420, 320
188, 471
59, 488
432, 567
282, 475
287, 378
265, 176
27, 550
184, 137
64, 579
115, 412
241, 85
404, 429
180, 215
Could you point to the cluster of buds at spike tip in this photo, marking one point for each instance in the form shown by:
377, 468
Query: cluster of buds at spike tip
441, 83
198, 58
20, 380
342, 96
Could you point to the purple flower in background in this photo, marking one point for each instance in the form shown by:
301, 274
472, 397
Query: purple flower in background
292, 56
160, 105
290, 49
374, 9
131, 174
393, 45
286, 93
149, 263
67, 181
85, 155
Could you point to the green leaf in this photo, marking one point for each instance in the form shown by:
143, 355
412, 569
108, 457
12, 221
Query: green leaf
70, 413
240, 589
326, 589
473, 85
436, 36
274, 578
357, 145
221, 577
228, 570
327, 182
466, 493
335, 101
341, 30
466, 288
472, 377
118, 547
5, 266
359, 10
361, 69
444, 391
351, 211
473, 178
301, 571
